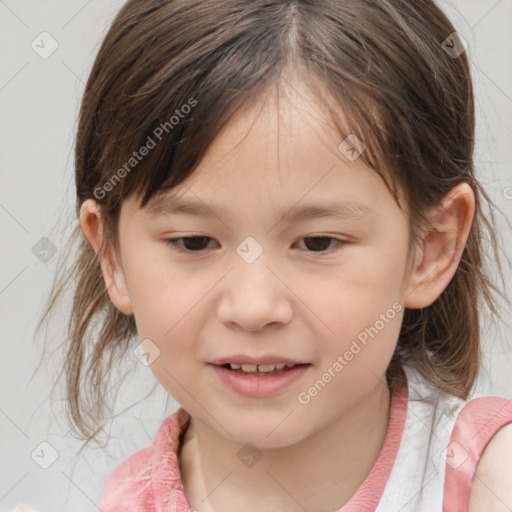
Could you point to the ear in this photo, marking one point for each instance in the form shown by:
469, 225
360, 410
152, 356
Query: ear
91, 222
442, 245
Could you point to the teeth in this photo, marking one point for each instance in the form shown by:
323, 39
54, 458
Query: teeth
264, 368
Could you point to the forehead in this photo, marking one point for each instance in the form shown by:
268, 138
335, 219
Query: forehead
283, 155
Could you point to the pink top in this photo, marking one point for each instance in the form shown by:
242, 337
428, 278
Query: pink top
150, 479
476, 424
157, 484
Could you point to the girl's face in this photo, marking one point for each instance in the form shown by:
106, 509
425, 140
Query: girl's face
266, 282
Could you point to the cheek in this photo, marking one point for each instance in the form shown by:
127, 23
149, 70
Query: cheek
160, 295
154, 284
170, 304
360, 302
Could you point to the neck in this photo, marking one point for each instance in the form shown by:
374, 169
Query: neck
333, 462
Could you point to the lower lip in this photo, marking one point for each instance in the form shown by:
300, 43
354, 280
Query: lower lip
259, 385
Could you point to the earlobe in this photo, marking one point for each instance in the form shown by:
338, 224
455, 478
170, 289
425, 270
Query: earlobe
442, 247
113, 273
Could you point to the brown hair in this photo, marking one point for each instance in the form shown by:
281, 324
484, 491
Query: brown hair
182, 69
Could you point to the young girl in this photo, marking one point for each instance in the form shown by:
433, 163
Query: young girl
278, 213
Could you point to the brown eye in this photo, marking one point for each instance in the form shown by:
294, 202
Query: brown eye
191, 243
320, 243
198, 243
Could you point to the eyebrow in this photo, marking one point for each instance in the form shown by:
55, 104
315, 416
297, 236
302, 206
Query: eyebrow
346, 210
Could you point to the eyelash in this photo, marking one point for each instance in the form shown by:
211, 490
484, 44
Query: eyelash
173, 243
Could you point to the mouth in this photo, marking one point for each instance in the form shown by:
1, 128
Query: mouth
263, 370
259, 381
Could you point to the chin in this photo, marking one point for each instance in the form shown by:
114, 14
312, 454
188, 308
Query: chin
265, 435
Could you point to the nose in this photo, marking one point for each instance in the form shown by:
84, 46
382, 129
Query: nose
255, 297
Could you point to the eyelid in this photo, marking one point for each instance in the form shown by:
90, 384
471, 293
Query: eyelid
340, 243
172, 243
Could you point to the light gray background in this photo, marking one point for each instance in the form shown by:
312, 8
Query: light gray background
39, 101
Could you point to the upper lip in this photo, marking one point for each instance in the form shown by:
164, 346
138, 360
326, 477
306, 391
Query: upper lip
244, 359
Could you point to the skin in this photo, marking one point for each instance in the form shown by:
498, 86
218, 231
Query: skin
491, 490
291, 301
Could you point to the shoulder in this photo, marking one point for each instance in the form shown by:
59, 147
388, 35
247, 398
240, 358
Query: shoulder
491, 489
479, 457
